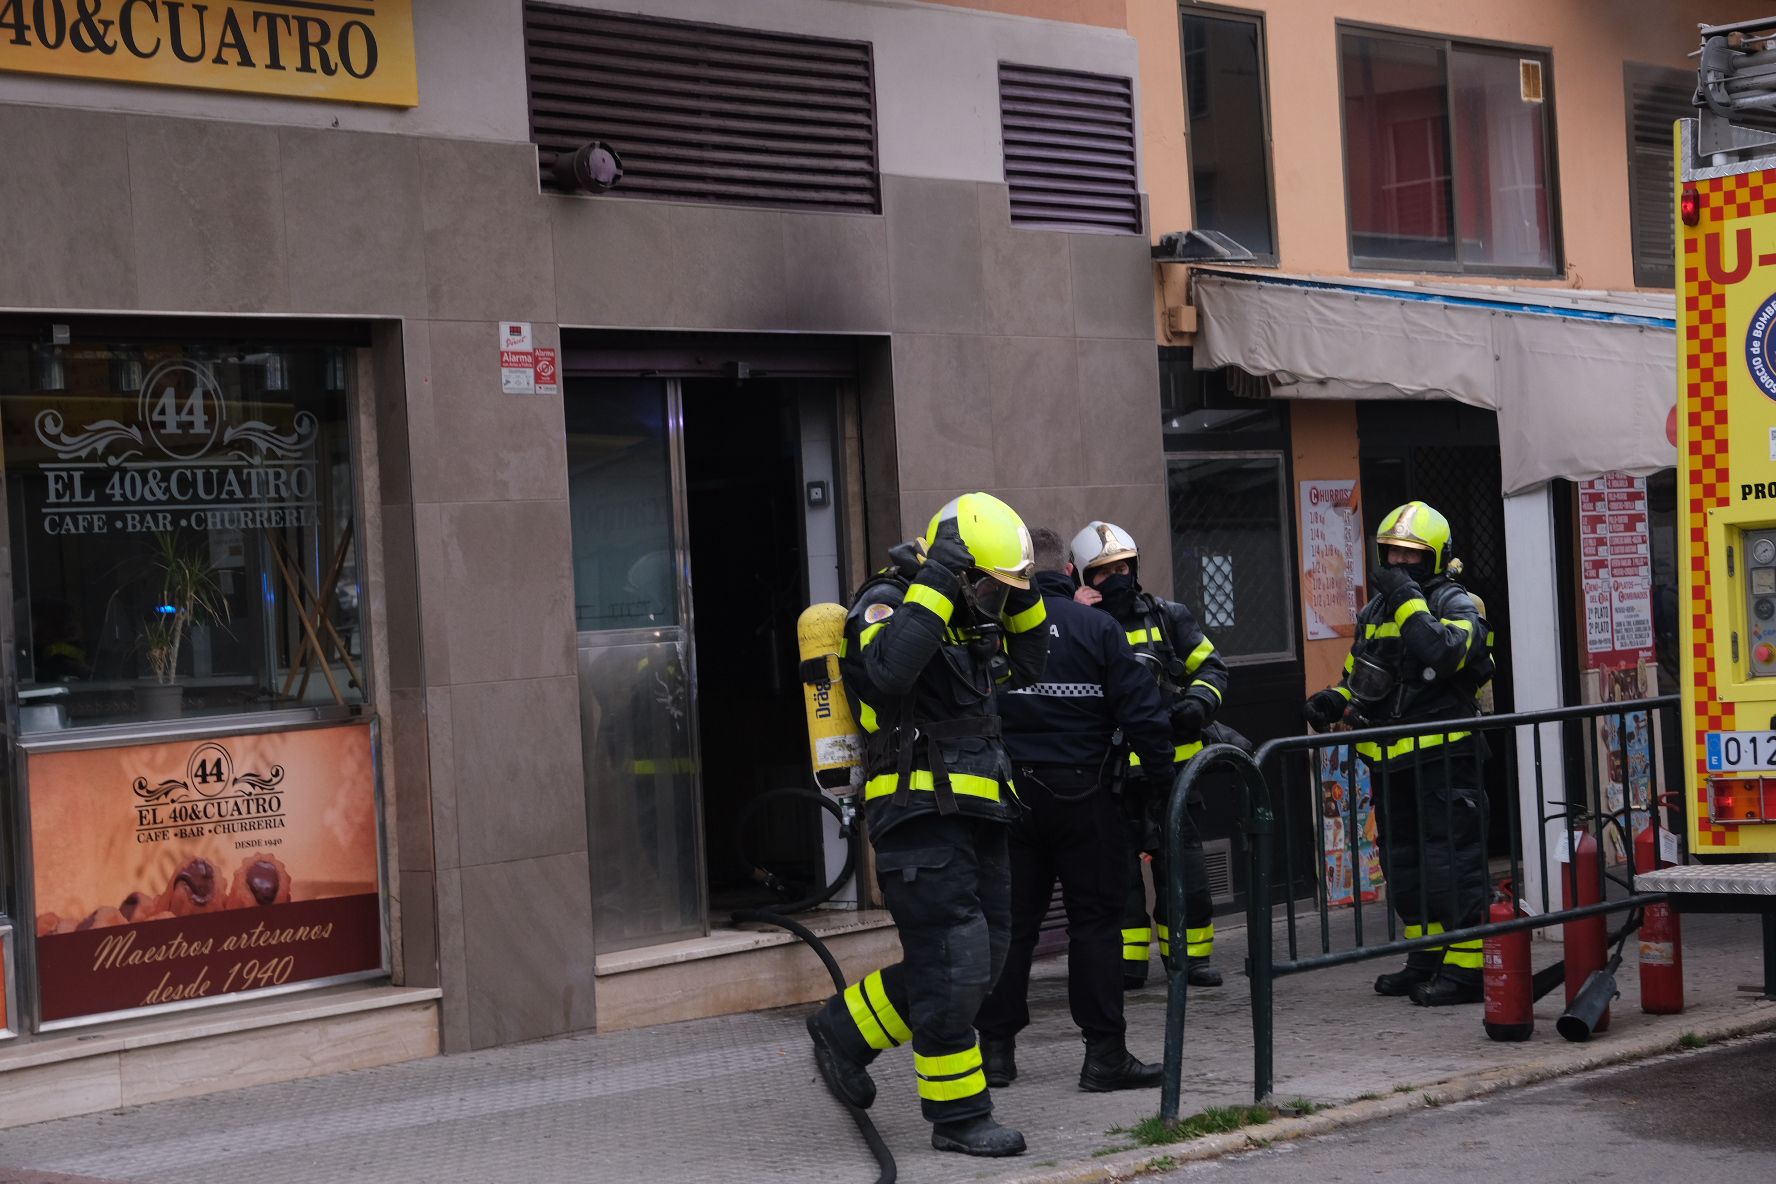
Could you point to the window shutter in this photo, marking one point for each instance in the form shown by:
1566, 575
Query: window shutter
705, 113
1069, 149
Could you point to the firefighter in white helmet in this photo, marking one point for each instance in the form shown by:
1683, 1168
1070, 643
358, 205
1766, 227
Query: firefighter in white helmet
1193, 678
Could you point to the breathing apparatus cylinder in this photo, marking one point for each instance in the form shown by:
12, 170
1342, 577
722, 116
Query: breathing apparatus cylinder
835, 741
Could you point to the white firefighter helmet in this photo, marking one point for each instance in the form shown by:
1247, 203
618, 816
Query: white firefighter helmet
1100, 543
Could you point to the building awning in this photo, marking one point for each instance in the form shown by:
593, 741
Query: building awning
1583, 382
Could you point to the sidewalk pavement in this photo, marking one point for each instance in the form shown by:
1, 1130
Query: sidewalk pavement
737, 1097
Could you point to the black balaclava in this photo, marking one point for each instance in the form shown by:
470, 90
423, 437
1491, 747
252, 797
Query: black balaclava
1420, 569
1119, 593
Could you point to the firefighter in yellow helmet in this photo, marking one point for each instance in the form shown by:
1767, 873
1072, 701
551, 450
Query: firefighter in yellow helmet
930, 643
1422, 653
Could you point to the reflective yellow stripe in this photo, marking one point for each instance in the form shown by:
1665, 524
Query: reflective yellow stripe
1405, 745
890, 1018
949, 1064
1209, 687
1410, 609
1466, 954
1180, 754
966, 784
1200, 943
869, 634
1135, 953
949, 1091
1198, 656
865, 1021
1137, 636
1466, 627
1385, 629
1433, 929
931, 598
1345, 691
1413, 931
1350, 663
866, 716
1027, 620
1132, 937
678, 764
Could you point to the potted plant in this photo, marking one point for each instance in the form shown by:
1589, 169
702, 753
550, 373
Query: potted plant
190, 594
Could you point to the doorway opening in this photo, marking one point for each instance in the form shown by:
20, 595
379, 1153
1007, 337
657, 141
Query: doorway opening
746, 505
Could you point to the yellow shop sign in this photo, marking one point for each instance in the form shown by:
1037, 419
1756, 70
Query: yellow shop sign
353, 51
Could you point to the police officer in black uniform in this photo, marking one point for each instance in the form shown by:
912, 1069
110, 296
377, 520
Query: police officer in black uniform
1422, 653
1193, 681
928, 645
1061, 735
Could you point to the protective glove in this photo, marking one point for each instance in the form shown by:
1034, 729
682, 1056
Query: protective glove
1020, 600
1188, 718
1325, 708
948, 551
1395, 587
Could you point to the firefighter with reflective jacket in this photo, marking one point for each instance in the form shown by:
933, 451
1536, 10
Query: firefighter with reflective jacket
1061, 734
1193, 680
1422, 653
929, 644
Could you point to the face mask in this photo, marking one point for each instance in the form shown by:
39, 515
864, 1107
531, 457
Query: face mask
989, 597
1118, 592
1418, 569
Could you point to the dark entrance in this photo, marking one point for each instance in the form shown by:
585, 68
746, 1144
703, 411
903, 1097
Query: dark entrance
1447, 454
749, 582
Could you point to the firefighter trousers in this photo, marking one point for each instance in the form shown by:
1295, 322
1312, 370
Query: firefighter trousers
1431, 823
1081, 841
947, 884
1199, 910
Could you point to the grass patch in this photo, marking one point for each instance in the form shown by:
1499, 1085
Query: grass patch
1164, 1163
1300, 1107
1103, 1151
1216, 1120
1403, 1089
1691, 1041
1368, 1097
1432, 1102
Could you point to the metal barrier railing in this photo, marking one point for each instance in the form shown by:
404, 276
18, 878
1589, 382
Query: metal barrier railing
1585, 812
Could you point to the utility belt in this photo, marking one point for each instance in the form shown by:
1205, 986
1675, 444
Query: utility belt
891, 755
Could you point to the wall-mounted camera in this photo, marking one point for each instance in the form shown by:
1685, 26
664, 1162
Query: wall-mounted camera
593, 167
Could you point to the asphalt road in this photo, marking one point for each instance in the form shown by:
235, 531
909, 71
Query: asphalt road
1704, 1117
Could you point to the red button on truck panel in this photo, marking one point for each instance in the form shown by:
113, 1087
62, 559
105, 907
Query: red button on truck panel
1764, 652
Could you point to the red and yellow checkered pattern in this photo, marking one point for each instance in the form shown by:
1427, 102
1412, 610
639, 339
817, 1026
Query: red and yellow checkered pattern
1704, 460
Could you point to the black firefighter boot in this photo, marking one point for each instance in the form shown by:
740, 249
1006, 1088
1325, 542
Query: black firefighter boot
1201, 974
999, 1059
1421, 967
847, 1080
1110, 1066
979, 1135
1452, 985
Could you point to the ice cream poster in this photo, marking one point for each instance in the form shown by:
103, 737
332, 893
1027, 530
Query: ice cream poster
191, 869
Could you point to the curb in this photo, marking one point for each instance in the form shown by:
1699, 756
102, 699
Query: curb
1759, 1016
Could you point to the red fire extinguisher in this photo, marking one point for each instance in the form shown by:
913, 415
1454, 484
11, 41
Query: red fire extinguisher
1510, 1003
1661, 940
1587, 939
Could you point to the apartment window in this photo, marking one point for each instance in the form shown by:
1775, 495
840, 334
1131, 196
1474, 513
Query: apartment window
1447, 155
1228, 132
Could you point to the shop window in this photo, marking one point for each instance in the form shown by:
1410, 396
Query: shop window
705, 113
182, 529
1069, 149
1448, 161
1230, 556
1229, 129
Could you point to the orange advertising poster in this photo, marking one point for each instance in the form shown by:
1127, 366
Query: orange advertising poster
190, 869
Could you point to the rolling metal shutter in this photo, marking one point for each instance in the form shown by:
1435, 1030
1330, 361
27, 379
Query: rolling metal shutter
706, 113
1070, 149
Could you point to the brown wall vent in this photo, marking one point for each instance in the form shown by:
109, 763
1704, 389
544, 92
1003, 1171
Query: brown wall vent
1070, 149
705, 113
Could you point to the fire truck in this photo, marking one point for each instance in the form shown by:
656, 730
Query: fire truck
1725, 196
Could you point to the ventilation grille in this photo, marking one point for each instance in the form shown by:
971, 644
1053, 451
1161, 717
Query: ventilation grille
705, 113
1218, 855
1069, 149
